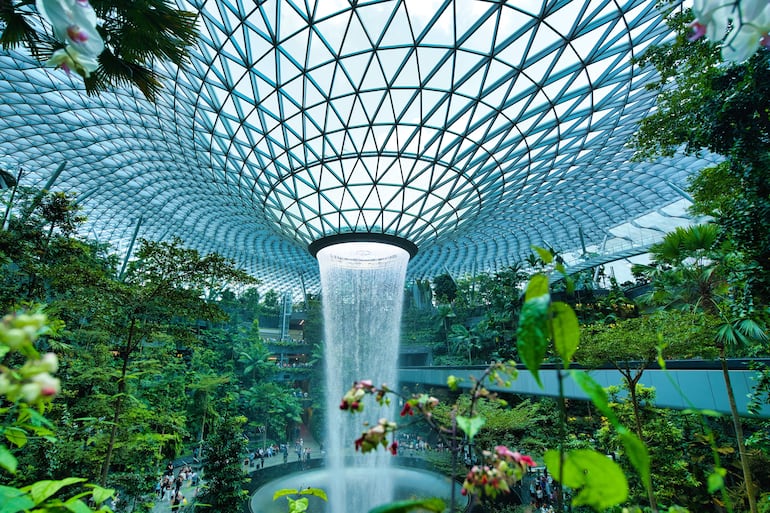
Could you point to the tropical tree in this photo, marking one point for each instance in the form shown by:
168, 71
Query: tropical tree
162, 296
443, 318
463, 340
224, 491
696, 274
117, 43
45, 261
253, 358
680, 465
704, 104
444, 289
633, 345
271, 406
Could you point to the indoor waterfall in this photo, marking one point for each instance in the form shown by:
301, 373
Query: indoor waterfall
362, 285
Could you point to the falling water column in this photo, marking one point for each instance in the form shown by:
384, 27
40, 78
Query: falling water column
362, 285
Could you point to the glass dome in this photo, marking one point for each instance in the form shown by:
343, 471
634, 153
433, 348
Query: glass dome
473, 129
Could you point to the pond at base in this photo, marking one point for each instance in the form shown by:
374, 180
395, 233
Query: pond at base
409, 484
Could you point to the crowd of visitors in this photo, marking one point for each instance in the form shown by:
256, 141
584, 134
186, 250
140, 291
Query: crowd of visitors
542, 490
542, 487
257, 458
169, 487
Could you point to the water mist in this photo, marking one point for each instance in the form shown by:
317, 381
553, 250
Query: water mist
362, 285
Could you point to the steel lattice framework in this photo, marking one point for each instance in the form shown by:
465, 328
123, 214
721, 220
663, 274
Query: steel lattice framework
474, 129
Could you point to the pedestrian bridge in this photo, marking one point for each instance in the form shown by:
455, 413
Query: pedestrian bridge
694, 384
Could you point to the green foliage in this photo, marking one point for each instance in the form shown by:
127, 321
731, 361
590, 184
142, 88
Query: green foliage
503, 424
601, 483
532, 334
566, 331
703, 104
695, 273
470, 425
225, 482
444, 289
680, 465
25, 393
680, 334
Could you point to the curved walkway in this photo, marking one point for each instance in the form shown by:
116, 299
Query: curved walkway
189, 491
697, 384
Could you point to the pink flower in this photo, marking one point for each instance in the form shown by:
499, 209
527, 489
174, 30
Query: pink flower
526, 460
498, 474
699, 30
364, 384
504, 452
49, 386
77, 34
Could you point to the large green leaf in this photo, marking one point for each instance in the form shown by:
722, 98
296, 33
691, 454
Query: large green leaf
537, 286
100, 494
600, 481
317, 492
13, 500
470, 425
432, 504
566, 331
77, 506
637, 453
42, 490
596, 393
298, 506
716, 480
7, 460
16, 436
532, 334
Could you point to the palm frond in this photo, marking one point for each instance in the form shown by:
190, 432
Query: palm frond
136, 34
739, 333
751, 329
17, 29
114, 71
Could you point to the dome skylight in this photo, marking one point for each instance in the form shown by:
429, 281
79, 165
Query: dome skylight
471, 128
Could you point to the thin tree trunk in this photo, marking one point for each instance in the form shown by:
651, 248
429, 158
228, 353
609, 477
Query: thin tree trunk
118, 405
738, 433
114, 432
631, 382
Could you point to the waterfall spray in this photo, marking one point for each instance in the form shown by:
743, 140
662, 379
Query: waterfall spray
362, 285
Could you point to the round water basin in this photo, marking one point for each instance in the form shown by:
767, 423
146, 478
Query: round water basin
408, 484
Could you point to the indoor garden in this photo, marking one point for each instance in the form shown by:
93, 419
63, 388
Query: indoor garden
384, 257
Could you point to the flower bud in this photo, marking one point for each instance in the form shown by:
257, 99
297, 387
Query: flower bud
49, 386
5, 384
30, 392
49, 362
16, 338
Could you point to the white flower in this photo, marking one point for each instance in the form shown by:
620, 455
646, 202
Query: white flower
742, 42
74, 24
715, 15
49, 362
72, 60
748, 22
49, 386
